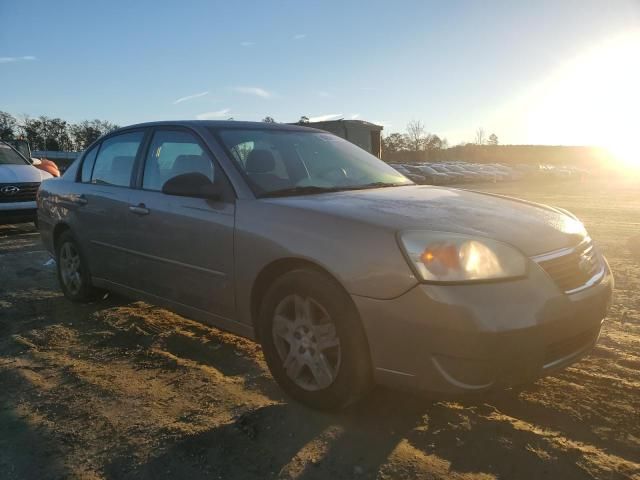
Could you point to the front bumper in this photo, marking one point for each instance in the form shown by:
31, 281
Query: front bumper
18, 212
461, 338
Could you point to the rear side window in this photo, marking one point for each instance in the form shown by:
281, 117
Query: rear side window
87, 164
114, 163
173, 153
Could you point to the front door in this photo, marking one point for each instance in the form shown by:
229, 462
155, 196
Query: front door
183, 245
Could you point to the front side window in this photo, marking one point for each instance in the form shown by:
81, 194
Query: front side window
114, 163
173, 153
294, 161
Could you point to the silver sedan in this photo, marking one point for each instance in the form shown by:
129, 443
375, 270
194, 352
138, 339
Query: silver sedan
347, 273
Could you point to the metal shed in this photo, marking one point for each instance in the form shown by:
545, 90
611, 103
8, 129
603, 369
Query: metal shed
364, 134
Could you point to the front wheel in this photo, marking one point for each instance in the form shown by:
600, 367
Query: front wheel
313, 340
73, 271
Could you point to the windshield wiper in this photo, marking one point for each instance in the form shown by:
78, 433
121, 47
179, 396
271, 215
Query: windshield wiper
306, 190
311, 189
378, 185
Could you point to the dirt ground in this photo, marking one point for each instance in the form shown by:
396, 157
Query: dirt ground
121, 389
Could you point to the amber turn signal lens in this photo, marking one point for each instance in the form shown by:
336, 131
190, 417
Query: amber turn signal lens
441, 257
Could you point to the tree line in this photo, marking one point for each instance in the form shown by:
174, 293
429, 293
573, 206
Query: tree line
417, 144
56, 134
53, 134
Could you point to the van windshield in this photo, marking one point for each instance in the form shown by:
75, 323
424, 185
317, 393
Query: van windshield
291, 162
8, 156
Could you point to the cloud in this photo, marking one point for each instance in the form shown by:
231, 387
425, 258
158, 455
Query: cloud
217, 114
190, 97
257, 91
324, 94
355, 116
247, 44
299, 36
26, 58
324, 118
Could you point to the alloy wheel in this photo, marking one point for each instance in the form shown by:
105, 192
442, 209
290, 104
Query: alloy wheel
70, 268
307, 342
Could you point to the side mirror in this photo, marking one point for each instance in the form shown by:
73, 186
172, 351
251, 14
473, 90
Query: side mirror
192, 185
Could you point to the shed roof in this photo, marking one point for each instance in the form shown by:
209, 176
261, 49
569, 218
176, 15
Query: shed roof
347, 123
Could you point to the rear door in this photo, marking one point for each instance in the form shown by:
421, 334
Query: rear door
102, 199
183, 245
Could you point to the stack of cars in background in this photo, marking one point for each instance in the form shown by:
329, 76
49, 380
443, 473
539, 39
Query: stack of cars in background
457, 172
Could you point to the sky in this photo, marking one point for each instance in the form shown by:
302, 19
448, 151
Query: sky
531, 72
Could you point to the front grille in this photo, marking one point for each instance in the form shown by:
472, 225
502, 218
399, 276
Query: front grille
573, 269
18, 192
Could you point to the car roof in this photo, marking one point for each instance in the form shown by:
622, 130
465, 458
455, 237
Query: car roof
226, 124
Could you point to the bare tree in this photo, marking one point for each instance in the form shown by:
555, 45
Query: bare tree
480, 136
268, 120
303, 119
493, 139
416, 134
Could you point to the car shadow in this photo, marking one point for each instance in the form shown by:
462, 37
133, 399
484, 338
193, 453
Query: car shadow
25, 451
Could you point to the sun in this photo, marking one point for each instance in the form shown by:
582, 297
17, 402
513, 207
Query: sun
592, 99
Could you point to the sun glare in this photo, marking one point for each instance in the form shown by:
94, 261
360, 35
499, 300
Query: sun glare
593, 99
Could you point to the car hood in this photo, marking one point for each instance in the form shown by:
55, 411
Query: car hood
21, 174
532, 228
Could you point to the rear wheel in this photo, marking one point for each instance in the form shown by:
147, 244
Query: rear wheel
73, 271
313, 340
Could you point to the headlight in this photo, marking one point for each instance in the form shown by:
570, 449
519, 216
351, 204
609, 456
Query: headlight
452, 257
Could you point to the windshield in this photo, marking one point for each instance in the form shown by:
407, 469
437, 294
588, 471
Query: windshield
8, 156
292, 162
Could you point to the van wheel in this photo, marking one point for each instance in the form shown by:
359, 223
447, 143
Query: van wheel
313, 341
73, 272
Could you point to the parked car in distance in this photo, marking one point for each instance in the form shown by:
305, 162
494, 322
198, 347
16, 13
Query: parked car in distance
435, 177
19, 182
494, 173
456, 177
407, 173
468, 176
413, 173
346, 272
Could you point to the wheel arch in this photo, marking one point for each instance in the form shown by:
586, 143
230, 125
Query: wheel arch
58, 230
276, 269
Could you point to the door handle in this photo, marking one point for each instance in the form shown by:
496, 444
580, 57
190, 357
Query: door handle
139, 209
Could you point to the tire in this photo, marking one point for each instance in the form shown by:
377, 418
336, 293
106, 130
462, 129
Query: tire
73, 270
301, 318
